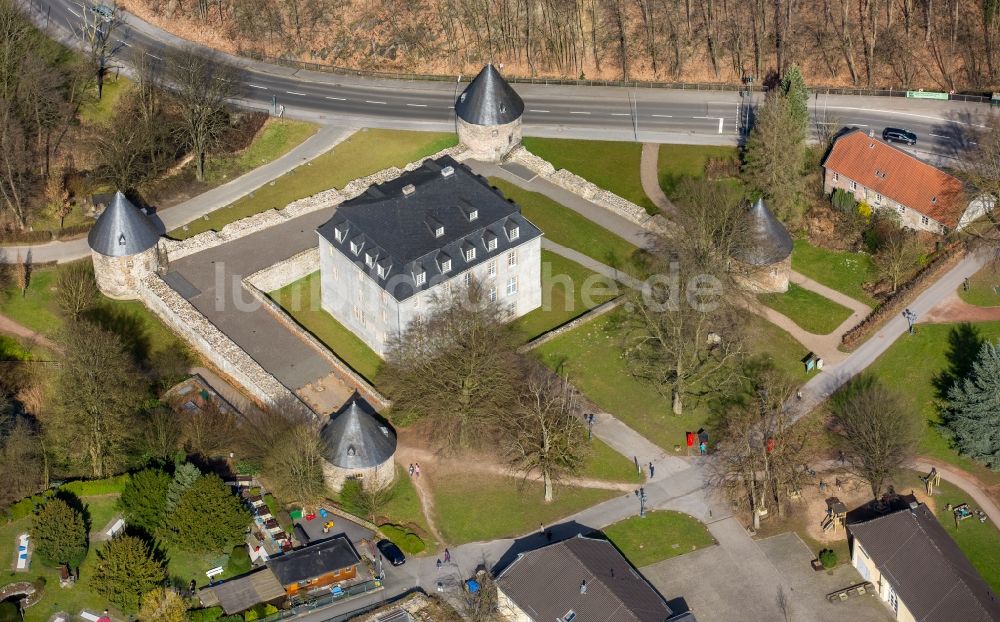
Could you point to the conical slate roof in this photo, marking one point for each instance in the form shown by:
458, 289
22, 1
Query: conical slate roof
768, 241
489, 100
355, 439
122, 230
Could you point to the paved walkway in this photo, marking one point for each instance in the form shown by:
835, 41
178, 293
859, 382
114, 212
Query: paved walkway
591, 264
964, 480
171, 218
649, 173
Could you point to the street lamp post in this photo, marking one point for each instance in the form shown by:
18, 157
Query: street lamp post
641, 494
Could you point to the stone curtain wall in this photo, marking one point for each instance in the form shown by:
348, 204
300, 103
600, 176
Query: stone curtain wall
285, 272
177, 249
182, 317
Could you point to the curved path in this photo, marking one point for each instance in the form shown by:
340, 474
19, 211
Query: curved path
649, 173
964, 480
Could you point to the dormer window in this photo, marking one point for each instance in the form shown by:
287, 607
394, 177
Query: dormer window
369, 260
121, 240
420, 277
439, 231
355, 248
435, 226
381, 272
514, 232
470, 253
338, 235
490, 240
446, 265
473, 214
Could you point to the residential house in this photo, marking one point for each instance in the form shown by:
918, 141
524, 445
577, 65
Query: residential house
386, 255
582, 579
888, 178
918, 570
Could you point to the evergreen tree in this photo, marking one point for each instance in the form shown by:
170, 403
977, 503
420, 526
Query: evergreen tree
59, 534
775, 156
144, 498
973, 408
184, 477
793, 89
126, 568
208, 517
162, 605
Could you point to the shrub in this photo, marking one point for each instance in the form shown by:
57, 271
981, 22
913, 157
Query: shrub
206, 615
259, 612
843, 201
828, 557
409, 542
865, 211
95, 487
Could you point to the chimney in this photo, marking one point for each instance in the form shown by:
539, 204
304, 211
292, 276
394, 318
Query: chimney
409, 189
583, 586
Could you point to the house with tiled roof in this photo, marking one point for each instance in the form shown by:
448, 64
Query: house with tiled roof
389, 254
888, 178
576, 580
918, 570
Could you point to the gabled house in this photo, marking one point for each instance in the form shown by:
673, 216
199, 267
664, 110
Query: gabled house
387, 254
581, 579
886, 177
918, 570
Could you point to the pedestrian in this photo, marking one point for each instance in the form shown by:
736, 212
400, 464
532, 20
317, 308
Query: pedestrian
703, 448
541, 528
840, 454
650, 470
439, 564
798, 395
447, 556
416, 468
411, 469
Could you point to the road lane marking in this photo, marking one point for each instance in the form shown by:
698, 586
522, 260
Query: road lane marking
537, 110
153, 55
368, 101
296, 93
720, 125
74, 12
663, 116
940, 136
621, 114
577, 112
908, 114
417, 105
257, 86
339, 99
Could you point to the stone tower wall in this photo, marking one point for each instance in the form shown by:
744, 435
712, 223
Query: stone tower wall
381, 475
489, 143
770, 279
120, 277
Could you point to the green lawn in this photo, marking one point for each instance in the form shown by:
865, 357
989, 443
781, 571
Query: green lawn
984, 287
476, 506
843, 271
659, 536
568, 228
676, 162
301, 300
275, 139
101, 508
611, 165
404, 508
563, 287
812, 312
366, 152
911, 366
767, 340
979, 541
607, 464
100, 110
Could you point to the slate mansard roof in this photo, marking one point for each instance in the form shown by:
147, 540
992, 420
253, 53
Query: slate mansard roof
355, 439
925, 567
546, 584
122, 230
489, 100
314, 560
768, 241
393, 226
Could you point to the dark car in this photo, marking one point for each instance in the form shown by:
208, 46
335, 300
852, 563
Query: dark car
896, 135
391, 552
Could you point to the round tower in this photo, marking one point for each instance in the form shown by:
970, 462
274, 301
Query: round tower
123, 247
358, 446
488, 114
765, 261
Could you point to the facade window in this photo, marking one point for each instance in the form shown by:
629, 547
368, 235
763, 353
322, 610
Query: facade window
361, 274
355, 248
334, 272
924, 220
470, 255
515, 232
491, 268
369, 261
381, 272
384, 315
330, 250
357, 312
446, 265
438, 232
854, 185
900, 209
512, 258
468, 279
492, 295
338, 235
421, 278
878, 199
512, 286
836, 176
473, 214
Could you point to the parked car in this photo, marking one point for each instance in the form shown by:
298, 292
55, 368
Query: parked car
391, 552
897, 135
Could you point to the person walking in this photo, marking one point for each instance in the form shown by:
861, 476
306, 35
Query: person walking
439, 564
650, 470
447, 556
416, 468
411, 469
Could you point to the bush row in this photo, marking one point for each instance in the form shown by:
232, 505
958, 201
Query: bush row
40, 237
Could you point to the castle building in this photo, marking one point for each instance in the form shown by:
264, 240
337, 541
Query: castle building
765, 260
489, 116
123, 246
358, 446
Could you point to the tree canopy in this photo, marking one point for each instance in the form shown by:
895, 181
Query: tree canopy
143, 500
973, 408
162, 605
59, 534
208, 517
127, 567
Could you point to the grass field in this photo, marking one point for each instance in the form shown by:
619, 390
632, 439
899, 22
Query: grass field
611, 165
275, 139
912, 365
568, 291
365, 152
676, 162
607, 464
843, 271
301, 300
659, 536
476, 506
100, 110
984, 287
404, 508
812, 312
568, 228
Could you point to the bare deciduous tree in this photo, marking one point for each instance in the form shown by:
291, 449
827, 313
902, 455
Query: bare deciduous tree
76, 290
898, 253
98, 30
876, 430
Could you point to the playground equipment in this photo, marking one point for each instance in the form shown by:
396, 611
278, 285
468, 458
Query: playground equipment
836, 515
931, 481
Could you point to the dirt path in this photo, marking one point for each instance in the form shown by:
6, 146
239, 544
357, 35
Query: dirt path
11, 327
982, 494
649, 174
954, 309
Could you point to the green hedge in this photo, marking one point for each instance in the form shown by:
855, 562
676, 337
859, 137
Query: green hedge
89, 488
25, 507
409, 542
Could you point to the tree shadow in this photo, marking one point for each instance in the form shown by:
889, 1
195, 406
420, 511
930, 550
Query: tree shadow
964, 343
129, 327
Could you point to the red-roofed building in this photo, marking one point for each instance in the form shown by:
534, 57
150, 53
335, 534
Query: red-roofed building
886, 177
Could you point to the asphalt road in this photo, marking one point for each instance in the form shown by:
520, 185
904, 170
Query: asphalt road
642, 114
